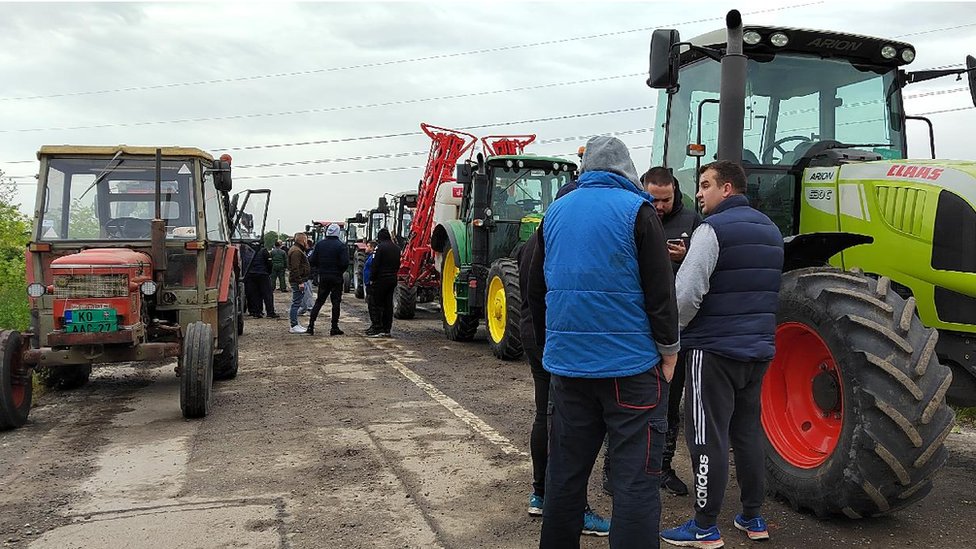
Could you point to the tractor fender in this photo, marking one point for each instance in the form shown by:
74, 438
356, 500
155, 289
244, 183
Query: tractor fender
450, 233
231, 265
815, 249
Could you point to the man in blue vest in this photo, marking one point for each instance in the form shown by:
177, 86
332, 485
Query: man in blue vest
728, 291
604, 311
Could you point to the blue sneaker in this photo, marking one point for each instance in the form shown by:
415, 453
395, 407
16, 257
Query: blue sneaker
755, 528
594, 524
690, 535
535, 505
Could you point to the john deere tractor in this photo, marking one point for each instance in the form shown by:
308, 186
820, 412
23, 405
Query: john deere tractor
504, 200
879, 250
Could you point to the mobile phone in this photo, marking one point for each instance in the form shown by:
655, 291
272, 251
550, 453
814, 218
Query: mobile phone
675, 241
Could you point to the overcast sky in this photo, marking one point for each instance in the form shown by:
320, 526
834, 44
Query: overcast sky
278, 75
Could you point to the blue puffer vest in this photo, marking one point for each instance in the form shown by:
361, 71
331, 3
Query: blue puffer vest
737, 318
596, 325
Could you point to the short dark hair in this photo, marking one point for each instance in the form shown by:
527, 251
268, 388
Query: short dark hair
660, 176
728, 172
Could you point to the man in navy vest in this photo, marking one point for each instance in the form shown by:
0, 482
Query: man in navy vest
728, 288
604, 311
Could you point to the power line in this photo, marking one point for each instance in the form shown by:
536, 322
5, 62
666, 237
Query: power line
965, 25
329, 109
394, 61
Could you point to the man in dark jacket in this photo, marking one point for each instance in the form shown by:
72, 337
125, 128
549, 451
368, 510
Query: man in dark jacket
329, 259
679, 223
728, 293
383, 281
605, 381
298, 273
257, 284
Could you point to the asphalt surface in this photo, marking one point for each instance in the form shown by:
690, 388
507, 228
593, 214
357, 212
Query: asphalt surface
348, 442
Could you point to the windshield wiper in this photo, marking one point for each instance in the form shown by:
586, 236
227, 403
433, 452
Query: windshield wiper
105, 171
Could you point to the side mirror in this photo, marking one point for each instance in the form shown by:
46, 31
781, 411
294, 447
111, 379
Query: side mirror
971, 67
383, 206
663, 73
221, 173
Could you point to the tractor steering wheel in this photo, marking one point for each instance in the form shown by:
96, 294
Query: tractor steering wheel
778, 146
128, 227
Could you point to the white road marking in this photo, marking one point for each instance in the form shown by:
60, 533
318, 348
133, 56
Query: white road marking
463, 414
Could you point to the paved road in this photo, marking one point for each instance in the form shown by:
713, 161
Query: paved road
344, 442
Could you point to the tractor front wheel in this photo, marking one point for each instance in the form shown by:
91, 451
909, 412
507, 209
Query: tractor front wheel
457, 327
853, 404
227, 360
503, 310
16, 389
404, 302
357, 281
196, 379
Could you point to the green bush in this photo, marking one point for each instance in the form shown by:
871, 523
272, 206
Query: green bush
14, 233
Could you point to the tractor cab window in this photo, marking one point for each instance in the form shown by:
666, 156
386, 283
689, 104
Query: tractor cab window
105, 199
407, 221
377, 221
214, 210
517, 193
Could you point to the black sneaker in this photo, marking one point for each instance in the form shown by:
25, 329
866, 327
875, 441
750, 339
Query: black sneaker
272, 315
673, 484
310, 330
336, 332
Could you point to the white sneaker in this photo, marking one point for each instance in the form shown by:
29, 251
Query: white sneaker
297, 329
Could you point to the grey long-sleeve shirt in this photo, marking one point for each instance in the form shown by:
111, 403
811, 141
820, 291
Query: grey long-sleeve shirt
692, 281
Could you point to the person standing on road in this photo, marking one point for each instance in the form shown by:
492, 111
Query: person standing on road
257, 282
593, 524
329, 259
383, 281
279, 261
298, 273
605, 382
728, 292
679, 223
374, 323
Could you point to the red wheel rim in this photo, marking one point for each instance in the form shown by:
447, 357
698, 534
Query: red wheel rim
801, 431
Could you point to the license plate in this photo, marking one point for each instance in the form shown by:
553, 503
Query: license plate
90, 320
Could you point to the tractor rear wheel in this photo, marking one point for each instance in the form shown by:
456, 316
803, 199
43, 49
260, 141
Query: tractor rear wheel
853, 404
196, 379
16, 389
404, 302
226, 361
504, 310
357, 281
64, 378
457, 327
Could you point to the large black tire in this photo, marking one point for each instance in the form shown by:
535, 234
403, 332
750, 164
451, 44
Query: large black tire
346, 282
225, 362
357, 279
64, 378
16, 389
457, 327
892, 418
196, 379
503, 310
404, 302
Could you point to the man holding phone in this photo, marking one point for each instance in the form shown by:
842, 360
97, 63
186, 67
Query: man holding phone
679, 223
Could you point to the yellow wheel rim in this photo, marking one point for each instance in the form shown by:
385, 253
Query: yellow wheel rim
449, 272
497, 313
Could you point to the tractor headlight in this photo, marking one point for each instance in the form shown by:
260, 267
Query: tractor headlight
148, 287
751, 37
908, 55
36, 290
779, 39
889, 52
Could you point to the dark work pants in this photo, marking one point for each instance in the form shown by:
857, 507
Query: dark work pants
633, 412
257, 289
330, 287
723, 407
278, 277
383, 302
539, 438
674, 411
374, 321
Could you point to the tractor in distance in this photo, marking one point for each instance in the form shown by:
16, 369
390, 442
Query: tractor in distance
134, 257
355, 243
879, 250
316, 231
504, 199
394, 214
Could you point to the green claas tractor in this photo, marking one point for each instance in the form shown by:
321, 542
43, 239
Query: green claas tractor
877, 317
504, 200
135, 256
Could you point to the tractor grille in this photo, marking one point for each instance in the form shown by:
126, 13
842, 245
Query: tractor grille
81, 286
902, 208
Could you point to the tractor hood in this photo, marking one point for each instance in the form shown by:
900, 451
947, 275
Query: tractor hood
104, 257
957, 176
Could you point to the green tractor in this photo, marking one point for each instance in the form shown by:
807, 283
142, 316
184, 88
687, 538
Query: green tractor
879, 250
504, 200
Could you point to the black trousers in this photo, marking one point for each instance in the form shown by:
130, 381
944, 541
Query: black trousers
674, 411
374, 321
330, 287
723, 407
259, 294
632, 411
539, 437
382, 291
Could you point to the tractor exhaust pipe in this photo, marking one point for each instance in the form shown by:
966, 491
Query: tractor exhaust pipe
732, 97
158, 226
